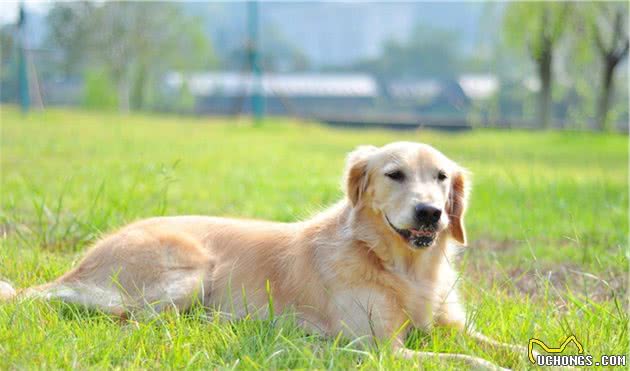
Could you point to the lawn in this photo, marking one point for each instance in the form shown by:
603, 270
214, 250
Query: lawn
547, 224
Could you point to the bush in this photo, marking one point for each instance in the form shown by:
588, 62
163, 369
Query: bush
99, 92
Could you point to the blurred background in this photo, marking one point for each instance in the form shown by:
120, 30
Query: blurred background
404, 65
139, 109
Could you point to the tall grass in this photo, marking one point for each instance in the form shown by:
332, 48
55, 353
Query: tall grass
547, 221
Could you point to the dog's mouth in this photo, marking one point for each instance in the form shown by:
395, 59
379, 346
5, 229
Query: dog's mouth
419, 238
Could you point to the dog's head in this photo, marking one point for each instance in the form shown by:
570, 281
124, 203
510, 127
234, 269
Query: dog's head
412, 188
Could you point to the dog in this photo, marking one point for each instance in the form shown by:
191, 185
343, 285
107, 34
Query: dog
374, 265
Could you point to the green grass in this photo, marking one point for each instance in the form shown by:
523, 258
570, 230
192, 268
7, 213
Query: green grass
548, 225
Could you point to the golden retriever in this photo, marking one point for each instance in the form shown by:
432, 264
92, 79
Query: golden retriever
377, 261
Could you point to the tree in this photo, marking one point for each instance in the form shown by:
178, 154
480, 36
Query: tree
539, 28
277, 53
68, 32
133, 41
8, 77
608, 24
429, 52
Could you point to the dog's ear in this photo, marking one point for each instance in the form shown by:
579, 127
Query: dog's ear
356, 173
456, 205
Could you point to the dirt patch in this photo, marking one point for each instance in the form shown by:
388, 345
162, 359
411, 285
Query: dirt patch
490, 244
539, 280
554, 282
495, 245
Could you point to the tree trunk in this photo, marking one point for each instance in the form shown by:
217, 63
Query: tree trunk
603, 104
137, 97
544, 96
123, 95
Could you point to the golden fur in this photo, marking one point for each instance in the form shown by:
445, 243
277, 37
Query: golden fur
344, 270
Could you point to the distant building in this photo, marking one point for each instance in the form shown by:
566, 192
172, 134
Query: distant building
285, 94
441, 96
480, 86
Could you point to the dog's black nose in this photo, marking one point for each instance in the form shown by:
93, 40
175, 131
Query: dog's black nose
426, 214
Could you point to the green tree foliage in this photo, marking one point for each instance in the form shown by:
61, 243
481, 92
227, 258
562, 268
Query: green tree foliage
428, 53
277, 53
99, 93
538, 27
134, 42
604, 27
68, 33
8, 76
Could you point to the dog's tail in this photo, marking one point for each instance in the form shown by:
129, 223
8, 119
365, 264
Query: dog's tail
7, 291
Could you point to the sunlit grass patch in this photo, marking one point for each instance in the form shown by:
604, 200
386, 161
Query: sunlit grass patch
547, 224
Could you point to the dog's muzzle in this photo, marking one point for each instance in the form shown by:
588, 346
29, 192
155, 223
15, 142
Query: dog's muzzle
422, 237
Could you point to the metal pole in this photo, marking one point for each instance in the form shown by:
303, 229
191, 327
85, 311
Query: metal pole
25, 99
258, 103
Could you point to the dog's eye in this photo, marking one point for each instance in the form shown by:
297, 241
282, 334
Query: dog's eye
441, 176
396, 175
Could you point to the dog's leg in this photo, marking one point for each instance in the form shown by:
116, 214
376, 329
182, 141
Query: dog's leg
452, 314
473, 362
484, 340
7, 291
92, 297
126, 272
